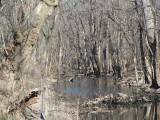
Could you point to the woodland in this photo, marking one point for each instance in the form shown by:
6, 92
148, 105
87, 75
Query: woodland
43, 40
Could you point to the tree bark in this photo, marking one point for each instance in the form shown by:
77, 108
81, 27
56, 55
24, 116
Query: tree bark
152, 42
60, 53
25, 37
144, 67
135, 64
28, 33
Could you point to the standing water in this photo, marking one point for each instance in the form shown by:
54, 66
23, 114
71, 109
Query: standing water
92, 87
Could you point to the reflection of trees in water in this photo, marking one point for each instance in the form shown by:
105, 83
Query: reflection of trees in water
151, 111
141, 112
147, 111
158, 109
155, 111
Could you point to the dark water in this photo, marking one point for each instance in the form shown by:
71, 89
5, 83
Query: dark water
90, 87
141, 112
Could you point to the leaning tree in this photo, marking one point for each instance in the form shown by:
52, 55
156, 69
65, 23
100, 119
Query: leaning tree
20, 49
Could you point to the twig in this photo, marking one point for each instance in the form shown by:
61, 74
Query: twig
2, 7
33, 114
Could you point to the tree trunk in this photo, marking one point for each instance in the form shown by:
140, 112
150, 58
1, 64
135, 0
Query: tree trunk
60, 53
157, 59
25, 37
152, 42
135, 63
144, 67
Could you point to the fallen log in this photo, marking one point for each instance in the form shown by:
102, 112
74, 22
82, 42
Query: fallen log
20, 105
70, 80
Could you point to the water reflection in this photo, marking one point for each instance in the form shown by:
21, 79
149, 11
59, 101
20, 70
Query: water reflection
92, 87
88, 87
145, 112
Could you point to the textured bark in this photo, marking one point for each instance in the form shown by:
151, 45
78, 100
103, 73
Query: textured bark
27, 34
152, 43
149, 19
135, 65
147, 77
157, 58
20, 50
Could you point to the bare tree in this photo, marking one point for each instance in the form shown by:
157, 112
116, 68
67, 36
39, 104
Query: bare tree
25, 37
151, 62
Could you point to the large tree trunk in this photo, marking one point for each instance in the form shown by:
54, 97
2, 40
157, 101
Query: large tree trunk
20, 50
145, 71
152, 43
25, 37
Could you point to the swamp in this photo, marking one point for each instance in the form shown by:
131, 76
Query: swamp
79, 60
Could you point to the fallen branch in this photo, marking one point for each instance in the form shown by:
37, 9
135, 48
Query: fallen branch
2, 8
33, 114
27, 101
